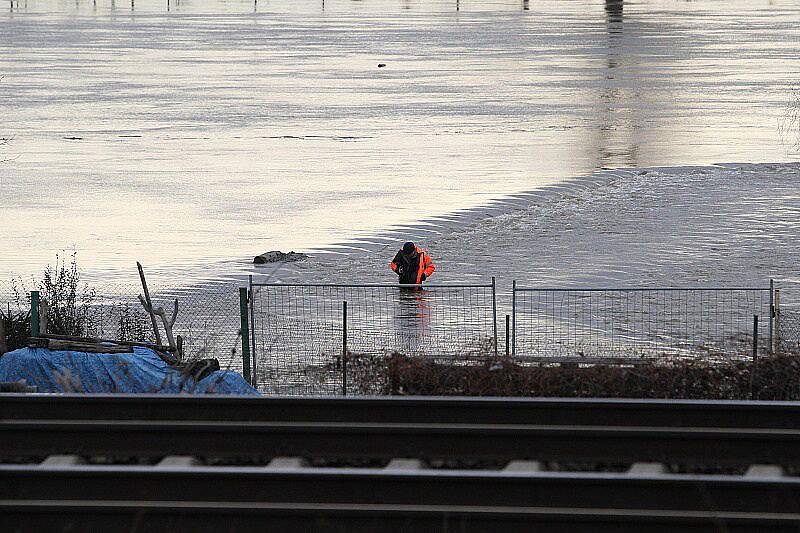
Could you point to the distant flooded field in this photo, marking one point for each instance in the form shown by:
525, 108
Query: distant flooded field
192, 135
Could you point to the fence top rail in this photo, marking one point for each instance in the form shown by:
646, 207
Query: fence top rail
377, 285
637, 289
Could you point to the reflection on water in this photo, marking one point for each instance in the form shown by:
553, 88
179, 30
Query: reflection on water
300, 334
195, 135
616, 142
413, 318
611, 130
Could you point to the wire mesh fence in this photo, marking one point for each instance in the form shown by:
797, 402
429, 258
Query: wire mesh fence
301, 331
299, 336
12, 295
582, 324
787, 334
207, 318
208, 321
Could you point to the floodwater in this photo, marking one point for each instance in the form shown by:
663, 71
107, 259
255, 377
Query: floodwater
726, 225
193, 135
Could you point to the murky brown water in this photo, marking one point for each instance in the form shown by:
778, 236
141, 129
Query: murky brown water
195, 137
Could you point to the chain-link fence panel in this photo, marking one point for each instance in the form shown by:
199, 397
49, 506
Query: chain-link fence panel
787, 334
301, 332
207, 318
584, 324
12, 296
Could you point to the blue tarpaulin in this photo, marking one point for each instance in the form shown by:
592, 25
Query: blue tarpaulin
142, 371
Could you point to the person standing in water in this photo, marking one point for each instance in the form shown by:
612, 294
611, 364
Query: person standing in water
412, 264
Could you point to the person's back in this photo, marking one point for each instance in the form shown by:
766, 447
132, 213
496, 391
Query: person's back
412, 264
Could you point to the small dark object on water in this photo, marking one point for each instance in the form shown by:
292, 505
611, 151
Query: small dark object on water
73, 138
381, 65
277, 256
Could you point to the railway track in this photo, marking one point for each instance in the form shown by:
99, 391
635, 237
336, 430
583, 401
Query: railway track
410, 409
155, 463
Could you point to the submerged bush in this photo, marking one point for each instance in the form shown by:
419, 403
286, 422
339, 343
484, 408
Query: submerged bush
133, 324
69, 303
73, 308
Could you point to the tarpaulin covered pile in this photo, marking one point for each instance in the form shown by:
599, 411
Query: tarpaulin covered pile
141, 371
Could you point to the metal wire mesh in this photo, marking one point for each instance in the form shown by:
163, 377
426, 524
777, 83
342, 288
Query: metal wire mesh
12, 295
643, 323
208, 320
788, 331
299, 330
208, 317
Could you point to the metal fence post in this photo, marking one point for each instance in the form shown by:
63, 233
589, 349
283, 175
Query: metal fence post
254, 357
34, 313
514, 317
508, 333
755, 358
776, 339
245, 325
494, 313
344, 348
771, 313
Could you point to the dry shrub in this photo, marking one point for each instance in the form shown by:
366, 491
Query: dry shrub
776, 378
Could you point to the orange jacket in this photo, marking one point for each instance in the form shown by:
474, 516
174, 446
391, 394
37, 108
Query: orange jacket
425, 265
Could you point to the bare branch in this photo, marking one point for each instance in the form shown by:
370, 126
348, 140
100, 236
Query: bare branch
168, 322
144, 304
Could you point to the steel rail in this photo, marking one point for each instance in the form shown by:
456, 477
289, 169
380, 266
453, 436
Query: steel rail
411, 410
51, 515
448, 488
378, 285
637, 289
348, 440
166, 497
